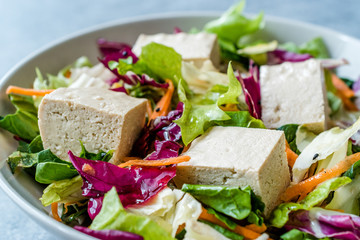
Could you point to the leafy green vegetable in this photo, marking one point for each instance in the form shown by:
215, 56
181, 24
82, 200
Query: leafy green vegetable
21, 159
113, 216
241, 119
63, 191
233, 25
100, 156
347, 197
334, 101
162, 60
196, 118
295, 234
222, 218
61, 79
200, 114
281, 214
181, 235
290, 135
23, 122
227, 233
231, 201
315, 47
74, 214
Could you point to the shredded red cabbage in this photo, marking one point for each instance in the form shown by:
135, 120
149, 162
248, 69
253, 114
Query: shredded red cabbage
94, 206
279, 56
324, 223
118, 49
251, 88
109, 234
134, 185
164, 149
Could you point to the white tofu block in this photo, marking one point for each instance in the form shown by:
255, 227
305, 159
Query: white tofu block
294, 93
235, 156
100, 118
196, 48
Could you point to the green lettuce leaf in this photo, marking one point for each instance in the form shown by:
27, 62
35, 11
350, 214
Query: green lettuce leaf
21, 159
221, 217
227, 233
231, 201
290, 135
113, 216
315, 47
196, 119
23, 122
100, 156
61, 79
241, 119
200, 114
335, 103
233, 25
63, 191
280, 215
295, 234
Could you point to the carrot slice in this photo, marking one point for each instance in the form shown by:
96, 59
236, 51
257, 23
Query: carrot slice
290, 155
244, 231
256, 228
306, 186
162, 107
54, 211
155, 163
344, 92
27, 91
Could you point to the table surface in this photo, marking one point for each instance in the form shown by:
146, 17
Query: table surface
29, 25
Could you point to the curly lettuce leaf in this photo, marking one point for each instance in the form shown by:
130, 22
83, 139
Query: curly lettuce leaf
63, 191
316, 47
23, 122
281, 213
233, 25
241, 119
232, 201
114, 217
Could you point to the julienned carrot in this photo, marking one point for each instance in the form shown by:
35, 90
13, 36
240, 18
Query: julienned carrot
244, 231
162, 107
149, 109
27, 91
344, 92
54, 211
306, 186
256, 228
290, 155
155, 163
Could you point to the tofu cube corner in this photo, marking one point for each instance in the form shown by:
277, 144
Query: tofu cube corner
100, 118
236, 156
294, 93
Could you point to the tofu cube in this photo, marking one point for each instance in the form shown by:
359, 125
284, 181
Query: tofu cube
294, 93
196, 48
100, 118
236, 156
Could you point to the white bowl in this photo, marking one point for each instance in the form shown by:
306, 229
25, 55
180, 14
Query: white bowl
25, 191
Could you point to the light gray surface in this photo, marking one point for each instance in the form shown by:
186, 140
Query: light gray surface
29, 25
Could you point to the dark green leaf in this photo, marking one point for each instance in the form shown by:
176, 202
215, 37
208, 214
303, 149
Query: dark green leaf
227, 233
231, 201
353, 171
290, 135
36, 145
100, 156
222, 218
295, 234
181, 235
21, 159
74, 214
48, 172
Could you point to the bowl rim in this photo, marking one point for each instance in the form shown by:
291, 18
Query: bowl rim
40, 217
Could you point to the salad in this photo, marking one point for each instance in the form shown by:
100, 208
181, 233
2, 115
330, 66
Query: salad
161, 140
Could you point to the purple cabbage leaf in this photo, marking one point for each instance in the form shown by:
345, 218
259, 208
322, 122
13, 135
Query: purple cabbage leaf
109, 234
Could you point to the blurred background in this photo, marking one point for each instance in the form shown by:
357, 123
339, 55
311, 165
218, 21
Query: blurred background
29, 25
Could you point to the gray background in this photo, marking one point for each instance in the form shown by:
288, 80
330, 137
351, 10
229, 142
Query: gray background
28, 25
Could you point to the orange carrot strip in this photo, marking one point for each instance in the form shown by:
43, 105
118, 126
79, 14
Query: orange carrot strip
162, 107
341, 86
155, 163
344, 92
54, 211
149, 109
256, 228
244, 231
306, 186
131, 158
290, 155
27, 91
